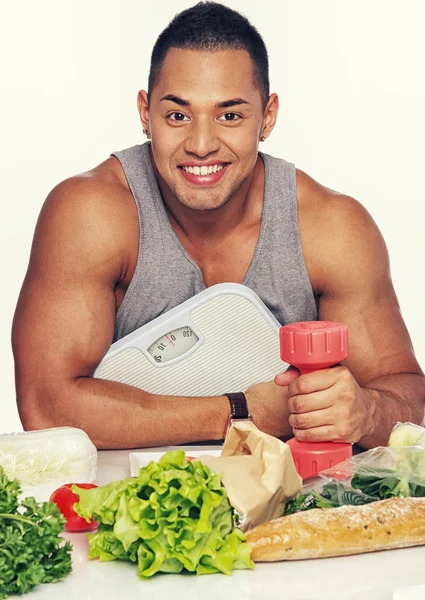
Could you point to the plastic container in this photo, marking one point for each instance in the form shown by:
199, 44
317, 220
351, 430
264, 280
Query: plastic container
45, 459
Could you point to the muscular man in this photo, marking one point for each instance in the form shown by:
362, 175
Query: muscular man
199, 205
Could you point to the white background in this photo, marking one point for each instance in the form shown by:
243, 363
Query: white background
350, 76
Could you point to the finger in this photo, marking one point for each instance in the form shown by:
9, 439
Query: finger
306, 403
321, 379
310, 420
285, 378
326, 433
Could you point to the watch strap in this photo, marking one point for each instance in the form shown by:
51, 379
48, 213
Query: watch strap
238, 410
238, 406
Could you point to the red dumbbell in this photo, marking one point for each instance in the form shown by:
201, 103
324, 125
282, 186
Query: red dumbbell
309, 346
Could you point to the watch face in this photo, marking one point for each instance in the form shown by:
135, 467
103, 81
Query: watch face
243, 419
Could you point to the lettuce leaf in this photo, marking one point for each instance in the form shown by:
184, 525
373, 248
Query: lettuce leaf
174, 516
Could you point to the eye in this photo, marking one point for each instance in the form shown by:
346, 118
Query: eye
177, 116
230, 117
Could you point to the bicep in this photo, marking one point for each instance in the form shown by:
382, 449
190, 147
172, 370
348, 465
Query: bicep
64, 320
62, 325
357, 290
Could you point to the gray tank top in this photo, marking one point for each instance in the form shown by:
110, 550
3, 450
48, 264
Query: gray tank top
166, 275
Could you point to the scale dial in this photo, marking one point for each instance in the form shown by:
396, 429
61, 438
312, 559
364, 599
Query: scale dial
173, 344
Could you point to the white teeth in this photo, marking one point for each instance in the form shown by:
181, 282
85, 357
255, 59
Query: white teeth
204, 170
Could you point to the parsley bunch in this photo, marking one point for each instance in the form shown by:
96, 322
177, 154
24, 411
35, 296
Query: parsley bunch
31, 551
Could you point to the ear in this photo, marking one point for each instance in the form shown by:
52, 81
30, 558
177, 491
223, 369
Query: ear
269, 117
143, 108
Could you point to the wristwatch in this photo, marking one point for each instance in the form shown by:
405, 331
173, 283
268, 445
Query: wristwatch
238, 410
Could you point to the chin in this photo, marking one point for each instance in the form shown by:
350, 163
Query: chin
203, 201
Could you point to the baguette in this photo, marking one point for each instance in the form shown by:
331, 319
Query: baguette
325, 532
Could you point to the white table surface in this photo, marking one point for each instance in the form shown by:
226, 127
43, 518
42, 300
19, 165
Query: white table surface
389, 575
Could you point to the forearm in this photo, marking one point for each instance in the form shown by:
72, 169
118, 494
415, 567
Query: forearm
393, 398
115, 415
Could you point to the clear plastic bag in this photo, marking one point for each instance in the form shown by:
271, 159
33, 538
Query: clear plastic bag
44, 460
376, 474
383, 472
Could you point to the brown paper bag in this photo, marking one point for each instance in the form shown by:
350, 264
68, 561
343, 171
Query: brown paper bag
258, 473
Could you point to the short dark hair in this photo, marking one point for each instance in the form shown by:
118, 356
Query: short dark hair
212, 26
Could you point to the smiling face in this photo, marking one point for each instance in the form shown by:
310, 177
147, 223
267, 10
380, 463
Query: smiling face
205, 118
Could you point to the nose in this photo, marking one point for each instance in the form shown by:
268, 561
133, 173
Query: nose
202, 139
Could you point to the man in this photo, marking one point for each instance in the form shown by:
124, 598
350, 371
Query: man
196, 206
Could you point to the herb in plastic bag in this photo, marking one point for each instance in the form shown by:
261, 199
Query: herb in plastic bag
370, 482
31, 551
331, 495
387, 484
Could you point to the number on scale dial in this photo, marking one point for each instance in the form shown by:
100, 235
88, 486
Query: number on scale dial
173, 344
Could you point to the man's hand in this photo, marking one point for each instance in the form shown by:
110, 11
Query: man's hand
268, 405
326, 405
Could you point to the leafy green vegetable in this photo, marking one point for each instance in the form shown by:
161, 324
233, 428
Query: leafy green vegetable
403, 474
370, 482
385, 484
174, 516
31, 551
340, 494
331, 495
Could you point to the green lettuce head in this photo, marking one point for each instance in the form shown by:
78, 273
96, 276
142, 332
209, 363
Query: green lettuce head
174, 516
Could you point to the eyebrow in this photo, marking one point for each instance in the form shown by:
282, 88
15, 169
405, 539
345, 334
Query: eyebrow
225, 104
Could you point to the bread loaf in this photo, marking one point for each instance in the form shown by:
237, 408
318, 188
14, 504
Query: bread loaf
323, 532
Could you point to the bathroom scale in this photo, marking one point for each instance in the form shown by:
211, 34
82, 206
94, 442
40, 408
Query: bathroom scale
222, 340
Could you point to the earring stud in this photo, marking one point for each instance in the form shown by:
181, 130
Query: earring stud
263, 138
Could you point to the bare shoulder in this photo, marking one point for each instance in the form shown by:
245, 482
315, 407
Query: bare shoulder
339, 236
332, 213
93, 211
102, 190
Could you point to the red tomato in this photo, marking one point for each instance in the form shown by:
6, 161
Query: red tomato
65, 499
